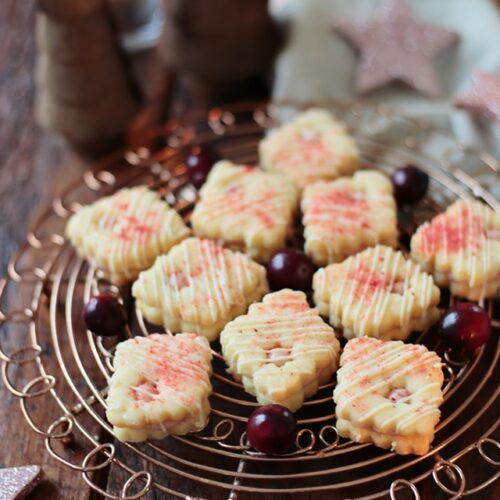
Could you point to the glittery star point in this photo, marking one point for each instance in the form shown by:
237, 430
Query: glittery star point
484, 97
396, 46
17, 482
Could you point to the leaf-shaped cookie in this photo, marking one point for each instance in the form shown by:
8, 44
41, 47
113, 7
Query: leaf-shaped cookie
388, 393
198, 287
281, 350
345, 216
160, 386
461, 248
311, 147
125, 232
250, 210
377, 293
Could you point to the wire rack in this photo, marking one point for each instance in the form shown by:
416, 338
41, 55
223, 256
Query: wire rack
50, 285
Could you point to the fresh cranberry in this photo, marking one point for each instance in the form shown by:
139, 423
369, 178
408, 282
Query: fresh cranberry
272, 429
290, 269
465, 326
410, 184
199, 162
104, 315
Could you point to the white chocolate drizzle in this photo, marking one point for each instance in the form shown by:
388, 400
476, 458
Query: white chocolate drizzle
197, 277
278, 330
126, 231
313, 146
349, 214
238, 196
372, 367
370, 282
170, 372
462, 238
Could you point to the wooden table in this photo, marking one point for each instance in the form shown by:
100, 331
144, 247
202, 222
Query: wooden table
34, 165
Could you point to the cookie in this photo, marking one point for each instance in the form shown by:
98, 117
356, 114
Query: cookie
281, 351
461, 249
345, 216
376, 293
160, 386
246, 208
313, 146
388, 394
199, 287
125, 232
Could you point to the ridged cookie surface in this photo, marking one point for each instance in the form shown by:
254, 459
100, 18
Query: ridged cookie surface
376, 293
312, 147
388, 393
198, 287
345, 216
248, 209
281, 350
461, 248
125, 232
160, 386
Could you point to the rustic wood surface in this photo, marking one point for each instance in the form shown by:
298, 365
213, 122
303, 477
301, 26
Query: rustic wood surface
35, 165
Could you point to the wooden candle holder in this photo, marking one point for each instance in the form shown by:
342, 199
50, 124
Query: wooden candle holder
84, 91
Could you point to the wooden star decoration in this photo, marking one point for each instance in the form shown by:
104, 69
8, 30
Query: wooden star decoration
17, 482
396, 46
484, 97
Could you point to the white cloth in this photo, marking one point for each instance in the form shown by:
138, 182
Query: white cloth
317, 63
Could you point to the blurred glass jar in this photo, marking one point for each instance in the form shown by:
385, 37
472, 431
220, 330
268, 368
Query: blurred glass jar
139, 22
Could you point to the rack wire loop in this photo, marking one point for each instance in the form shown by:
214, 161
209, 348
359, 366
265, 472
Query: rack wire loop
454, 472
66, 421
137, 476
482, 452
218, 432
399, 484
329, 445
18, 358
14, 359
107, 449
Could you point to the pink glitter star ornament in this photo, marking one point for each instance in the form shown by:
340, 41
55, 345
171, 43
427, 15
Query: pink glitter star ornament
396, 46
17, 482
484, 97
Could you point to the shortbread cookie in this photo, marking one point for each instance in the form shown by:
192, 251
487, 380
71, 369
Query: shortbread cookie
125, 232
281, 350
376, 293
388, 393
312, 147
461, 248
199, 287
345, 216
160, 386
249, 210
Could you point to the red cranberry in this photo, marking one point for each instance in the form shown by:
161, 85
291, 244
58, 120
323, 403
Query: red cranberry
272, 429
199, 162
410, 184
104, 315
290, 269
465, 326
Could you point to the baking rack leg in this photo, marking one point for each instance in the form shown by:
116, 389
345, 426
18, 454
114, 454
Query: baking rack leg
234, 494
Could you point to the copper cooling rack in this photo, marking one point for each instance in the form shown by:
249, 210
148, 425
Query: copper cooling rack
217, 463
